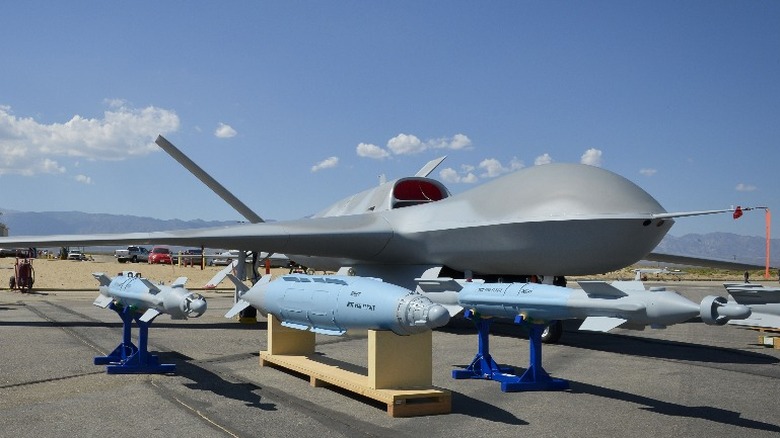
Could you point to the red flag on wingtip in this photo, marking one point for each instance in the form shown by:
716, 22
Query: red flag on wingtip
738, 212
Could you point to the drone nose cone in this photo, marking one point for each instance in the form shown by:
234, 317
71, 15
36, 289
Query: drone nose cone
438, 316
197, 307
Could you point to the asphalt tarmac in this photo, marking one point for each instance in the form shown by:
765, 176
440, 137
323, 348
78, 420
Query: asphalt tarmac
688, 380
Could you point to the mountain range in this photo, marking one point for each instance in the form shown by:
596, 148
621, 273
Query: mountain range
723, 246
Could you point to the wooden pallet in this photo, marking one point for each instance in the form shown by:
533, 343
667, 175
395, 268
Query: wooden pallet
403, 382
769, 341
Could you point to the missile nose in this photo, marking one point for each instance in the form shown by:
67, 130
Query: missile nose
735, 311
438, 316
197, 307
716, 310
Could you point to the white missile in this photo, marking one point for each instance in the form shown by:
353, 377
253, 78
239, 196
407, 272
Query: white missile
130, 289
333, 304
602, 306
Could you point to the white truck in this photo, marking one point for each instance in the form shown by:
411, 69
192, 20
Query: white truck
133, 254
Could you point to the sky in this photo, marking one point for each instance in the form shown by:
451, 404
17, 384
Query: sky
294, 105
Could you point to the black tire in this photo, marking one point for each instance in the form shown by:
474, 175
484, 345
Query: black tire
12, 282
552, 333
135, 259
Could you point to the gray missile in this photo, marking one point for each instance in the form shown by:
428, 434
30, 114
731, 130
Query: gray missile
333, 304
763, 301
129, 289
602, 306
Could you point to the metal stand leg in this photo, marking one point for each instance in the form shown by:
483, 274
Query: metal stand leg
126, 357
483, 366
535, 378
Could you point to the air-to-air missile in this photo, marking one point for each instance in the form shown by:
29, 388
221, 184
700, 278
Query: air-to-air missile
333, 304
763, 301
129, 289
602, 306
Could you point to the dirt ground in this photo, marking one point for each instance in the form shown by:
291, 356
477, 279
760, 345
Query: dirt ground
54, 274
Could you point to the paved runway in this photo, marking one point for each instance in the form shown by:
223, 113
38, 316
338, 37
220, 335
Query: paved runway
689, 380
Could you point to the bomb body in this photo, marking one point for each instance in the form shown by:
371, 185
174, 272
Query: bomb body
133, 290
333, 304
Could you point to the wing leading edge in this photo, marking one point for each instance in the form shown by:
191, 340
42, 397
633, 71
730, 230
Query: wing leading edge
357, 237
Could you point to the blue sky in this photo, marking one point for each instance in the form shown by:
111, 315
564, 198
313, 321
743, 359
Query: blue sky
294, 105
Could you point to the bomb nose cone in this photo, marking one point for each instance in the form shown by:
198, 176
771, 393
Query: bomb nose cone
197, 307
438, 316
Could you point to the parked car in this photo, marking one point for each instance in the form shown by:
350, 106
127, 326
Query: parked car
75, 254
160, 254
133, 254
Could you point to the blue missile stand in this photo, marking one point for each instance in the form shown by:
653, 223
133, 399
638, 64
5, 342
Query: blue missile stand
535, 378
126, 357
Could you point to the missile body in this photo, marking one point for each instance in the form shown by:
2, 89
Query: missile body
602, 306
332, 304
763, 301
132, 290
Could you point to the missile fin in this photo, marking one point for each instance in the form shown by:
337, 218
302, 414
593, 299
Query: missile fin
102, 278
629, 286
154, 290
601, 289
295, 326
601, 323
149, 315
219, 276
179, 282
239, 284
433, 285
103, 301
453, 309
329, 332
238, 307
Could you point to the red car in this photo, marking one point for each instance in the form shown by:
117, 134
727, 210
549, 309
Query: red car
160, 254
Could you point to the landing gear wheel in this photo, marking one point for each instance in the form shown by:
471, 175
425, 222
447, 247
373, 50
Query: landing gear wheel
12, 283
552, 333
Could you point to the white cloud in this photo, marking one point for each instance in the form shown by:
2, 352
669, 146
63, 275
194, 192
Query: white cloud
459, 141
492, 168
591, 157
742, 187
368, 150
407, 144
327, 163
516, 164
403, 144
469, 178
224, 131
456, 142
83, 179
543, 159
648, 172
450, 175
28, 147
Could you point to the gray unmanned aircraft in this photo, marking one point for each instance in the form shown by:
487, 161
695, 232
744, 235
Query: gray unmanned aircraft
549, 220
